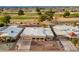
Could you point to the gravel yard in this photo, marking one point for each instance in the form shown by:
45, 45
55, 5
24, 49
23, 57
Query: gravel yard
6, 46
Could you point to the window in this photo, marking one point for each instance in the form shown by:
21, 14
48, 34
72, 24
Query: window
48, 38
33, 38
41, 38
37, 38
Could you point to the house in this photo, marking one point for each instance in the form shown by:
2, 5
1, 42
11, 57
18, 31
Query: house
37, 33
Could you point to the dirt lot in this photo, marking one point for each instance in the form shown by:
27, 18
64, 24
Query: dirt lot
45, 46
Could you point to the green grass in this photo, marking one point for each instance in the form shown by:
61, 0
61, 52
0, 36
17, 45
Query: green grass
1, 17
59, 15
24, 17
71, 15
74, 15
20, 18
27, 13
10, 13
34, 15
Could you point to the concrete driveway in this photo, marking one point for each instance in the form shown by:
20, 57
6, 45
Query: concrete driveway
24, 45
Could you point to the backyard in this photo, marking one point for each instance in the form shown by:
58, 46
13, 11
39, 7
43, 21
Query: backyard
45, 46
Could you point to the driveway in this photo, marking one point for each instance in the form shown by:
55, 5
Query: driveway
23, 45
68, 46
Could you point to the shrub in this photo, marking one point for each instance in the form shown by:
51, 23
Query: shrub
20, 12
74, 41
6, 19
67, 13
1, 25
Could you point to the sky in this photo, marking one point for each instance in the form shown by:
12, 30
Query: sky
39, 2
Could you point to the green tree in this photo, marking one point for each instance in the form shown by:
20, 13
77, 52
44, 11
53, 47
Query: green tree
43, 17
20, 12
38, 11
6, 19
67, 13
1, 24
50, 15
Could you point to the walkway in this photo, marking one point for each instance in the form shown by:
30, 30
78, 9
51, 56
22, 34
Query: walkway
24, 45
